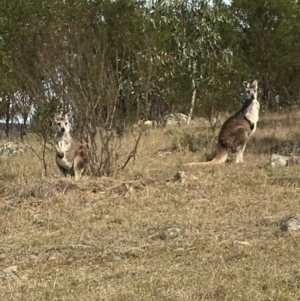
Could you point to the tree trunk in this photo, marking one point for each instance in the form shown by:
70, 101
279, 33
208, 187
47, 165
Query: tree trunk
7, 119
192, 102
23, 127
266, 89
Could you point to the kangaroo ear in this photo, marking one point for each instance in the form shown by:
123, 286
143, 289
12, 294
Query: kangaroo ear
245, 84
255, 84
55, 118
68, 115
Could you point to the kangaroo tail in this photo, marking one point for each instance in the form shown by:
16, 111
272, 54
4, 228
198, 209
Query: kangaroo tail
220, 158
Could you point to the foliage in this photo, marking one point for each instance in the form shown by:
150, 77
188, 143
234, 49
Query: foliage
41, 125
267, 43
190, 49
115, 62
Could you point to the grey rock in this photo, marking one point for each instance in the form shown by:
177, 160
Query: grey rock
114, 257
14, 148
178, 119
291, 222
277, 160
2, 274
173, 231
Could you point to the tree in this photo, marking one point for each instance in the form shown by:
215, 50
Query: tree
76, 53
194, 49
266, 42
41, 126
8, 30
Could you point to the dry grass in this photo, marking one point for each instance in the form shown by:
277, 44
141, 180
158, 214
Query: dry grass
107, 239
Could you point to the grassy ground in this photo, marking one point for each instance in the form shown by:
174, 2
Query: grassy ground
143, 236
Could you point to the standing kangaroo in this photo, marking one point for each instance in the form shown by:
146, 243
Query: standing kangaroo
237, 129
71, 155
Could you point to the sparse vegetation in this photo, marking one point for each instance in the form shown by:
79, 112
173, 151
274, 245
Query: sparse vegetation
193, 141
143, 236
142, 226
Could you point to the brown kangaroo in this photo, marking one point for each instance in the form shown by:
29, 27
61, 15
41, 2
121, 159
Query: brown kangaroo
71, 155
237, 129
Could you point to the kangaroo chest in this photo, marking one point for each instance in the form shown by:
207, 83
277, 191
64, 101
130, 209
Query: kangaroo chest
252, 114
64, 145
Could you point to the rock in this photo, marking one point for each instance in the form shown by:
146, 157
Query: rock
241, 243
114, 257
164, 234
291, 222
146, 124
14, 148
12, 268
150, 123
278, 160
178, 119
9, 272
53, 258
2, 274
182, 177
173, 231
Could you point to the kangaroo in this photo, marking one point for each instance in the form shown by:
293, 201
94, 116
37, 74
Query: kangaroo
237, 129
71, 155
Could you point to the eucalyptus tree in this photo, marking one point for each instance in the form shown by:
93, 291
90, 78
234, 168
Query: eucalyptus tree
188, 43
8, 29
76, 52
266, 41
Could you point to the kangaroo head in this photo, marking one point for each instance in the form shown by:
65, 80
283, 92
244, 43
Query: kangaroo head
63, 123
250, 90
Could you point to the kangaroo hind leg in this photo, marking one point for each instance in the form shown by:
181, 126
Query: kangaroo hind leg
240, 154
241, 142
79, 168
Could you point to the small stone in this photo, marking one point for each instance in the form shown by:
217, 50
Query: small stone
241, 243
179, 176
114, 257
277, 160
173, 231
53, 258
12, 148
11, 272
174, 119
291, 222
2, 274
13, 268
81, 187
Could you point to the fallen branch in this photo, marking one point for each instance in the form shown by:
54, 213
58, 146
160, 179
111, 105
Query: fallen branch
134, 151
